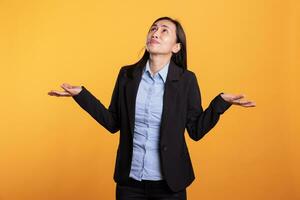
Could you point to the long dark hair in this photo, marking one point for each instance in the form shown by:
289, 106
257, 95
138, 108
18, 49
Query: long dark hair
179, 58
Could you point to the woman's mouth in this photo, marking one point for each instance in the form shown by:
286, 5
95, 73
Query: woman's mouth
153, 42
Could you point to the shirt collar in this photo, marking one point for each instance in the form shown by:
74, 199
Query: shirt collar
163, 72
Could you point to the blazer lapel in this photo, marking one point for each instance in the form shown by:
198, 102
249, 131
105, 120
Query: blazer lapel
134, 77
170, 95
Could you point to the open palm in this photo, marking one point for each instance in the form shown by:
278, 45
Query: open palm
237, 100
69, 90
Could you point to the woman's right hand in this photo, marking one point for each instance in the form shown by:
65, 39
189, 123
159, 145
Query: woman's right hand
69, 90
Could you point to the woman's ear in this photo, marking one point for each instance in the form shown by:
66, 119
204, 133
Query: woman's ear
176, 48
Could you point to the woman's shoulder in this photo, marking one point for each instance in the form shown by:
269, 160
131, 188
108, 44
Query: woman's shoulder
128, 70
188, 74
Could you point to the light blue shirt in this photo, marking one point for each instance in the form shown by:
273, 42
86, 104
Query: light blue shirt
148, 110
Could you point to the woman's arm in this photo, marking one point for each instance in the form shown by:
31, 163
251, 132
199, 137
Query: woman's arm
108, 118
200, 122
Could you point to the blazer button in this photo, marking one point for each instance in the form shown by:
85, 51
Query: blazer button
165, 148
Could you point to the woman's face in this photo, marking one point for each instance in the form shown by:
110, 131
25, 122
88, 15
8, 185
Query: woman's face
161, 38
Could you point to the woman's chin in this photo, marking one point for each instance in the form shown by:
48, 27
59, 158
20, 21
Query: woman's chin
153, 51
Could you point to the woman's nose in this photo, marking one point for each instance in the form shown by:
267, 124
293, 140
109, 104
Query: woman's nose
155, 34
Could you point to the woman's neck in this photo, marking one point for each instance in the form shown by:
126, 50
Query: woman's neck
158, 61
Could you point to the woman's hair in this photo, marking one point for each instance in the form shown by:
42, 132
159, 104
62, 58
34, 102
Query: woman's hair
179, 58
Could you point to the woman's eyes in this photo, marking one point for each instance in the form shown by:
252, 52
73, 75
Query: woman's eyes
152, 29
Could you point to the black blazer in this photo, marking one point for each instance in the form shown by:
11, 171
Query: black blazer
181, 109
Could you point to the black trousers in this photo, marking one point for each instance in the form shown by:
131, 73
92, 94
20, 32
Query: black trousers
147, 190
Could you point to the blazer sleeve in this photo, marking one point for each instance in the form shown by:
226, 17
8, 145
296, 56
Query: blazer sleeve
200, 122
108, 118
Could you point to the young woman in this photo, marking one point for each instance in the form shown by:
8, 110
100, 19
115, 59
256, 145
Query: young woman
153, 102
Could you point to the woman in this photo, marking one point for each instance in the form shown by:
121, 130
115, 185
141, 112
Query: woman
153, 102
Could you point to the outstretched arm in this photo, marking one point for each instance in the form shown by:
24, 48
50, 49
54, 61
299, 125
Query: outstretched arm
200, 122
108, 118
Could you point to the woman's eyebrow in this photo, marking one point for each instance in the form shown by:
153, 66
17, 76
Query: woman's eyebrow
162, 26
165, 26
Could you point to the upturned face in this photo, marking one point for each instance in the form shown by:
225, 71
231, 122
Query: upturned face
161, 38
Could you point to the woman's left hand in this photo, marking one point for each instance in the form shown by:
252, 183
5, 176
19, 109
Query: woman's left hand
237, 100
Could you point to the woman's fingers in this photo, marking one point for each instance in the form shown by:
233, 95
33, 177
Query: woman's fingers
66, 86
236, 97
73, 90
238, 100
244, 103
250, 104
231, 97
59, 93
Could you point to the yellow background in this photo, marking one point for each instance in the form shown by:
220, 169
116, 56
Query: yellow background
51, 149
